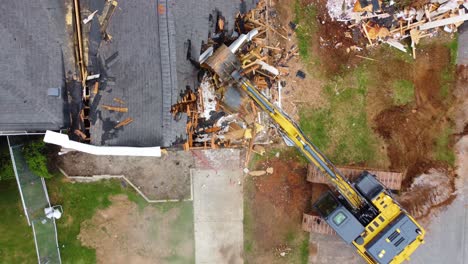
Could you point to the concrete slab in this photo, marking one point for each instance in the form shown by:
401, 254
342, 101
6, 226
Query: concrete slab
218, 216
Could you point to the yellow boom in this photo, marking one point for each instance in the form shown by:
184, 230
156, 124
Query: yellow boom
294, 133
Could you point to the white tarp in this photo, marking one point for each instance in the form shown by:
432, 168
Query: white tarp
63, 140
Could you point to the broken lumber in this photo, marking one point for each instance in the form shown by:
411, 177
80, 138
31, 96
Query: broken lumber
125, 122
95, 88
396, 44
443, 22
115, 108
118, 100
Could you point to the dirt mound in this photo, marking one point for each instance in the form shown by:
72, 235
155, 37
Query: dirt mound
124, 234
428, 193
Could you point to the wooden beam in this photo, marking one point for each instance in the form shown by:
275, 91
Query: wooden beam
443, 22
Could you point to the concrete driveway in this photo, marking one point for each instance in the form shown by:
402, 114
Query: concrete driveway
218, 215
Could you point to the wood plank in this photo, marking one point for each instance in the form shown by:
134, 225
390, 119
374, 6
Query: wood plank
443, 22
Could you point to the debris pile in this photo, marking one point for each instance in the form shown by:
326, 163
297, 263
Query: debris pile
384, 22
428, 192
220, 115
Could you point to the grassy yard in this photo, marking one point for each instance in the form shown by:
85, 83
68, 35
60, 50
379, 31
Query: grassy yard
341, 128
443, 151
6, 168
16, 240
403, 92
81, 200
305, 18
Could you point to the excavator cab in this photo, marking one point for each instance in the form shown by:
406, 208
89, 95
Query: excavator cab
335, 213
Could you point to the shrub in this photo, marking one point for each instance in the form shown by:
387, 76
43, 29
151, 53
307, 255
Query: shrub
34, 153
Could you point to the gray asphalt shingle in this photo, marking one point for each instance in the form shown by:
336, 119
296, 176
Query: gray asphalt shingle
31, 63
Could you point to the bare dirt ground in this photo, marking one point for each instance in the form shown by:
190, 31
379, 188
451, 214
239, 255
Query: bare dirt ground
275, 204
167, 177
409, 131
122, 233
297, 91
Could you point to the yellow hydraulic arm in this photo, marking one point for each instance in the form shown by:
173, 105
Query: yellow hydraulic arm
370, 219
292, 131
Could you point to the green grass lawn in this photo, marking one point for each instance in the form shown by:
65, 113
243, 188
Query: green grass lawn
403, 92
443, 151
305, 18
6, 168
81, 200
16, 239
341, 129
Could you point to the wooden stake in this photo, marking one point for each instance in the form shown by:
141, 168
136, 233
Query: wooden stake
115, 108
118, 100
367, 58
367, 34
124, 122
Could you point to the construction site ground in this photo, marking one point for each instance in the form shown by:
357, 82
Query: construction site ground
162, 178
354, 110
273, 207
358, 118
382, 110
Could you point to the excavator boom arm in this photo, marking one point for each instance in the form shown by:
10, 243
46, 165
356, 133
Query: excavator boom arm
309, 150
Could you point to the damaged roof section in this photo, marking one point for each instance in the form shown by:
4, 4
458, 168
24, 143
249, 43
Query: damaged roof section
32, 93
137, 83
142, 55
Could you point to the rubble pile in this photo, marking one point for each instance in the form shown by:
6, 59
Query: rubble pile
220, 115
383, 22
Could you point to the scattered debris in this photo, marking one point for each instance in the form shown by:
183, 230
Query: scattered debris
269, 170
89, 18
260, 150
223, 116
385, 22
301, 74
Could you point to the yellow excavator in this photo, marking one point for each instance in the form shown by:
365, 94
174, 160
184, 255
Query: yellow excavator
363, 213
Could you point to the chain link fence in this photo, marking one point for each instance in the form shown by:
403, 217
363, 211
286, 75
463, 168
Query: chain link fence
35, 199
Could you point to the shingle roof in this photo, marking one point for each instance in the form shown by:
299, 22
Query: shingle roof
31, 63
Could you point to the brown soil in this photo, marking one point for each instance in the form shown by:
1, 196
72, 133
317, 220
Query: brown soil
124, 234
428, 194
276, 203
167, 177
409, 131
297, 91
332, 42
